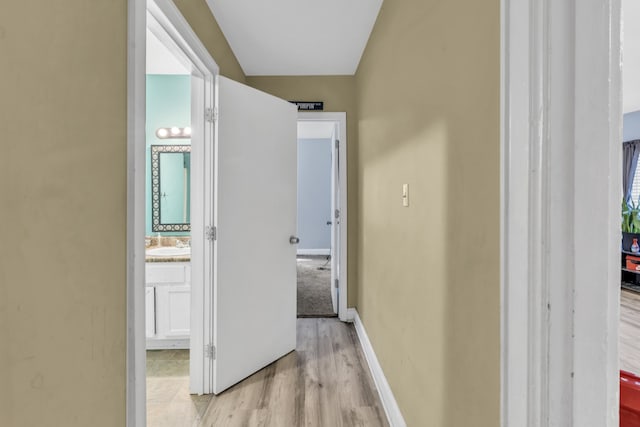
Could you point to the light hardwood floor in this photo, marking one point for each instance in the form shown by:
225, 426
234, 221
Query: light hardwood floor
630, 331
324, 383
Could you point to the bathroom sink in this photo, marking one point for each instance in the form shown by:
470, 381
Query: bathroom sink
169, 251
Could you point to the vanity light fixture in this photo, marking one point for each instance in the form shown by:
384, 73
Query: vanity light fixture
173, 132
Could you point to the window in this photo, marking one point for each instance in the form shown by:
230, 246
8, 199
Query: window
635, 186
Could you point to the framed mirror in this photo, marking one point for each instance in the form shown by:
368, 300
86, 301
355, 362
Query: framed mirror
170, 187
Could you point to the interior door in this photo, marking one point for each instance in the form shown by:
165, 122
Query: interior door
335, 220
254, 300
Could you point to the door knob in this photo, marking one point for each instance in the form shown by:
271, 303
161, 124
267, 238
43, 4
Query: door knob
294, 240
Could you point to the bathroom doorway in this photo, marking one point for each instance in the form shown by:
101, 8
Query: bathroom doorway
170, 90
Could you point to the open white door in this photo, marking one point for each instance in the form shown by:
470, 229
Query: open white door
335, 220
254, 300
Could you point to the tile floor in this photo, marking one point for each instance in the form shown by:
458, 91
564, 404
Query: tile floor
168, 400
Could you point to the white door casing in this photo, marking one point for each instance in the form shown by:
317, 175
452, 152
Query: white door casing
255, 214
561, 173
136, 122
202, 257
335, 220
174, 31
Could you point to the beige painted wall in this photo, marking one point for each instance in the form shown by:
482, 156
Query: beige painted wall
63, 188
338, 94
63, 121
199, 16
428, 275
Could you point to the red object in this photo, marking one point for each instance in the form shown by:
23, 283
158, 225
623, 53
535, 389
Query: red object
629, 400
632, 262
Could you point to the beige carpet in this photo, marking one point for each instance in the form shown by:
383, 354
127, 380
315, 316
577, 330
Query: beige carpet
314, 287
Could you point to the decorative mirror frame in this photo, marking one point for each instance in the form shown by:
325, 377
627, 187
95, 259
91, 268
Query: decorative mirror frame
156, 225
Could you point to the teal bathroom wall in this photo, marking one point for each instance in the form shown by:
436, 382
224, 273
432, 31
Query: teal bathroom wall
168, 104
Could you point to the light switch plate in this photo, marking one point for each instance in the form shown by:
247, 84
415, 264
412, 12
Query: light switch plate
405, 195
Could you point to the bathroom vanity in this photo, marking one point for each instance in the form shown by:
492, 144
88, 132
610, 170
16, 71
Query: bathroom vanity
168, 255
168, 302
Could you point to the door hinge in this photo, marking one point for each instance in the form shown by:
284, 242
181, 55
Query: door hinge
210, 233
210, 351
337, 214
337, 283
211, 114
337, 143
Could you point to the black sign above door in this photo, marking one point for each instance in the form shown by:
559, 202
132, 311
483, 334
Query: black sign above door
309, 105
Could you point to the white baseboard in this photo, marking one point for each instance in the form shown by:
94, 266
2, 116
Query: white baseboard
314, 251
389, 403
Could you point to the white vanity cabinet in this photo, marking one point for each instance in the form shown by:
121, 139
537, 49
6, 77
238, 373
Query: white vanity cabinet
168, 302
150, 311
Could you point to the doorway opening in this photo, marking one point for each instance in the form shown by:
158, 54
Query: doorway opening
315, 218
171, 80
321, 252
168, 264
629, 332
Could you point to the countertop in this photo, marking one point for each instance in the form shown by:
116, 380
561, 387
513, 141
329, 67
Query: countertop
164, 258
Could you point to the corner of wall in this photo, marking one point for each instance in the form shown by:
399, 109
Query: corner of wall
201, 19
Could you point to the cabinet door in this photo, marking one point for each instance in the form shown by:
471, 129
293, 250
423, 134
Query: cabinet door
150, 311
173, 311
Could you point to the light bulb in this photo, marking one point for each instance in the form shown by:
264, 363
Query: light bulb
186, 131
162, 133
175, 131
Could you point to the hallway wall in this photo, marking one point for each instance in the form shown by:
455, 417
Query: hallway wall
428, 274
63, 171
63, 115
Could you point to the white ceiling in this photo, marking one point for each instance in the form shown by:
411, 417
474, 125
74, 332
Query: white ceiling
160, 60
630, 55
297, 37
315, 130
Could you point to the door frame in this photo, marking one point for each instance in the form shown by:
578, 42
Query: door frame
172, 21
560, 222
341, 119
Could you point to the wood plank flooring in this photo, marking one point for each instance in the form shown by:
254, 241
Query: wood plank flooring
629, 333
324, 383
